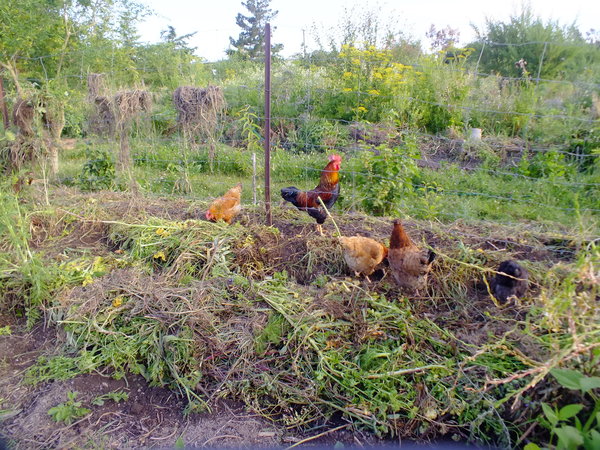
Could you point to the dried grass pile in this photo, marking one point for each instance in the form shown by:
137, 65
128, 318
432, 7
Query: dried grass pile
96, 86
198, 112
102, 118
199, 326
28, 145
128, 104
198, 109
102, 122
24, 115
268, 317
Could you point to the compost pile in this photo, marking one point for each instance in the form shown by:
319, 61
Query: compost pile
269, 316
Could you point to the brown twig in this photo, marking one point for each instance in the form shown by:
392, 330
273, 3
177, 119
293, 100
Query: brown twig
317, 436
396, 373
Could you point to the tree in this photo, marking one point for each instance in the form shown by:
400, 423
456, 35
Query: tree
561, 50
250, 42
168, 63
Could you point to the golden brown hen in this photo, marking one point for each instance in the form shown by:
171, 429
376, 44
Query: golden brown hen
226, 207
409, 264
363, 254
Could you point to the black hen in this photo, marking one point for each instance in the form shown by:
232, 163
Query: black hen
511, 280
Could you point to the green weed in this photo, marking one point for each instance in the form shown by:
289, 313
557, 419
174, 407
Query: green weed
116, 396
570, 429
69, 411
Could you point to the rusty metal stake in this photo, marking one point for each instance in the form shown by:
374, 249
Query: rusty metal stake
268, 124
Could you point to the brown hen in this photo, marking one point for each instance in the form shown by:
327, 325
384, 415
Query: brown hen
226, 207
409, 264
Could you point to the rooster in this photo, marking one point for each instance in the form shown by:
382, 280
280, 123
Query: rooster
226, 207
510, 281
328, 190
363, 254
409, 264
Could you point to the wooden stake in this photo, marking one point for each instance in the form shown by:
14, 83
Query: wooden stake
3, 107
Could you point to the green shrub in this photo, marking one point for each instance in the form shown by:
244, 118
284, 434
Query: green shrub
385, 178
98, 172
551, 164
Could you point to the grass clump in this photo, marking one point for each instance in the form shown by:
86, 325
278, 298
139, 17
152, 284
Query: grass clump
26, 281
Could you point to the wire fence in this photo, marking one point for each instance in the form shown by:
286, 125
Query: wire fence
566, 195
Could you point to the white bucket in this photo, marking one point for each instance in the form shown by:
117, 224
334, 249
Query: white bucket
475, 134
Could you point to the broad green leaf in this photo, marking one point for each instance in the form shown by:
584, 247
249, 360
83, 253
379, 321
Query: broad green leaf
566, 412
531, 446
569, 437
589, 383
567, 378
550, 414
179, 443
592, 440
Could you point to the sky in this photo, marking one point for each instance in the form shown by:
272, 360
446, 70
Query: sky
214, 21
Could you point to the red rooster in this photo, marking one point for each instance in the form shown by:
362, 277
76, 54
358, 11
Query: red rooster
328, 190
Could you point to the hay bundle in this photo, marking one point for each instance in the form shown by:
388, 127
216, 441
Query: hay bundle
102, 122
102, 119
96, 86
198, 111
129, 104
23, 115
27, 146
198, 107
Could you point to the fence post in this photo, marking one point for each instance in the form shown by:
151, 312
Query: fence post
268, 124
479, 59
539, 72
537, 82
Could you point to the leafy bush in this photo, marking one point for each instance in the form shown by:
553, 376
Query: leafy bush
98, 172
316, 135
26, 280
385, 178
570, 428
551, 164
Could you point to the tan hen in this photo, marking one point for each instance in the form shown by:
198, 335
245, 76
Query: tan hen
363, 254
